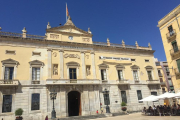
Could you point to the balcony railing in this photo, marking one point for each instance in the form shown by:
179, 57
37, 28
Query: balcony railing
9, 82
163, 83
160, 74
153, 81
175, 52
171, 36
72, 81
177, 73
124, 81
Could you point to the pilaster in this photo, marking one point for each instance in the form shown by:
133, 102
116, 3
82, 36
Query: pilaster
83, 65
49, 63
93, 65
61, 63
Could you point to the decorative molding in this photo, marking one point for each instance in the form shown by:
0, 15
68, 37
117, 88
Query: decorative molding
61, 50
119, 66
54, 36
73, 64
12, 52
72, 56
103, 66
149, 67
86, 39
49, 50
134, 67
10, 62
55, 54
36, 63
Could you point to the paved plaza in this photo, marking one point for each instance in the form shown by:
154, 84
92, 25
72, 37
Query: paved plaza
138, 116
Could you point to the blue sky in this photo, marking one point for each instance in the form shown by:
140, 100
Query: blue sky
130, 20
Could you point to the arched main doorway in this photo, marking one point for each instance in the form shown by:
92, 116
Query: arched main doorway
74, 103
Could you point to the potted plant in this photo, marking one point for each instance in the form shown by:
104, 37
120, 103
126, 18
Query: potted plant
18, 113
123, 108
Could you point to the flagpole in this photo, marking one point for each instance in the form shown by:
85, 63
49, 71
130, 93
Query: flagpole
66, 12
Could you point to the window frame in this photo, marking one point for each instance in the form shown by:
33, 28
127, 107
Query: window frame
33, 99
11, 103
138, 96
103, 67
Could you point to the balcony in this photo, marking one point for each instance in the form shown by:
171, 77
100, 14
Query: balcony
73, 82
160, 74
177, 73
9, 82
163, 83
152, 82
123, 82
175, 53
171, 36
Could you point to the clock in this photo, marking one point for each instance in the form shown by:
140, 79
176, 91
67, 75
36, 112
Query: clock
71, 37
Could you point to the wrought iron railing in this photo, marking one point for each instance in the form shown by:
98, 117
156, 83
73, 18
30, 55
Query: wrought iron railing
35, 37
170, 34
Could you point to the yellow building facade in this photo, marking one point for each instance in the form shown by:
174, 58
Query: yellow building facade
169, 28
86, 75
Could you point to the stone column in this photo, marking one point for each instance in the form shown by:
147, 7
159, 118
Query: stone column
49, 63
61, 64
93, 65
83, 66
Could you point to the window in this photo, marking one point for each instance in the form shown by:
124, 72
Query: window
7, 103
103, 74
35, 73
72, 73
123, 96
154, 93
178, 65
161, 80
133, 60
36, 53
157, 63
146, 60
149, 75
174, 45
106, 99
135, 74
170, 29
139, 95
120, 74
167, 74
10, 52
8, 74
35, 101
167, 69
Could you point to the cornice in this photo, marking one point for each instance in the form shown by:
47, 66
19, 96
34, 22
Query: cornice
74, 44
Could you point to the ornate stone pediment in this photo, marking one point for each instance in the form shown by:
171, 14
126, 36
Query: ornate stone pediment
103, 66
134, 67
36, 62
72, 64
10, 62
72, 56
69, 28
149, 67
119, 66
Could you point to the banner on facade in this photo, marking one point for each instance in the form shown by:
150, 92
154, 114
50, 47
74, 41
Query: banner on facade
114, 58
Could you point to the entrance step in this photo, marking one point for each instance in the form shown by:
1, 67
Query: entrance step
81, 117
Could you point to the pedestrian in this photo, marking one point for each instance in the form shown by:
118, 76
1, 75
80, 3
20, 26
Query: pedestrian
101, 110
46, 117
97, 111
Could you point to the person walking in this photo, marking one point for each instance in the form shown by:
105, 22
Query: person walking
46, 118
101, 110
97, 111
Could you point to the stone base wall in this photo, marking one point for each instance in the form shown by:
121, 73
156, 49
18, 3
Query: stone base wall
92, 99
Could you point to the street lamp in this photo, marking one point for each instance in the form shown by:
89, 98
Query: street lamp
106, 100
53, 97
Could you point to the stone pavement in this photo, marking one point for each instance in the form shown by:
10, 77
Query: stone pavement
138, 116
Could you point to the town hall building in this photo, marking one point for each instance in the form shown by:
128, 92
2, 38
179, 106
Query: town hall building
86, 75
